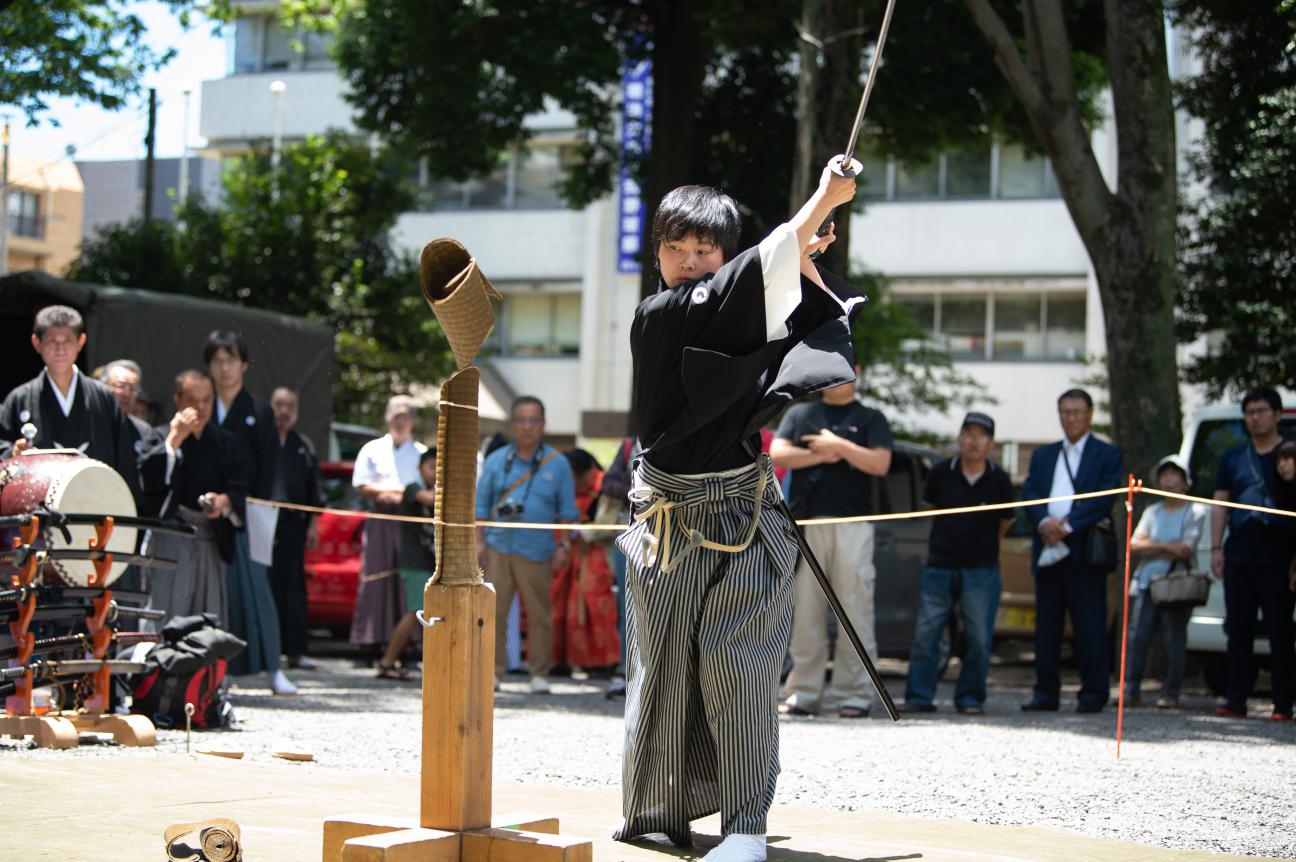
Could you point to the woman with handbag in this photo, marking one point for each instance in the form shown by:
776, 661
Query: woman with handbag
1166, 541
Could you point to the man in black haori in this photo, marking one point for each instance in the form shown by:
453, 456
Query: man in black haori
726, 342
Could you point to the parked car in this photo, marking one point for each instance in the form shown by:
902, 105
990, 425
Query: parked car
1213, 430
333, 565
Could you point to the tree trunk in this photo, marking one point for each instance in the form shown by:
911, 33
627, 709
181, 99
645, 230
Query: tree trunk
680, 57
1129, 234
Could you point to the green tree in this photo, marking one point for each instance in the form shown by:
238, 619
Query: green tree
311, 239
1238, 261
91, 50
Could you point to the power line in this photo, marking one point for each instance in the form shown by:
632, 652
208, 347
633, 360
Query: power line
72, 150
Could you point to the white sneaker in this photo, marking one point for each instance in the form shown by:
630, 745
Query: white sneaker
305, 662
539, 685
280, 684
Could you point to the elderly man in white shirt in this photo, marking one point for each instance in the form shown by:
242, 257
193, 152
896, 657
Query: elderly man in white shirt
382, 470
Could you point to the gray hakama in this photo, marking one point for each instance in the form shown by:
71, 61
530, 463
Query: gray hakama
197, 584
380, 595
252, 613
702, 730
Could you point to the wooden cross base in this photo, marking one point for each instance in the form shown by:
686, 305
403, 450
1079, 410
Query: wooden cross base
370, 838
63, 729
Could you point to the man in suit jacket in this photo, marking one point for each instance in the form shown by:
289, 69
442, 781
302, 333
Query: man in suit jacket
1065, 582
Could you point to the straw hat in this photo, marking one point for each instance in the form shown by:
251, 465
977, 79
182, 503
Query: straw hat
456, 539
459, 295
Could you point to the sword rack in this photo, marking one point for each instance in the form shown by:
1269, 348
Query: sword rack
62, 728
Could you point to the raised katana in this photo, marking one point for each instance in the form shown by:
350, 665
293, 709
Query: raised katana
845, 165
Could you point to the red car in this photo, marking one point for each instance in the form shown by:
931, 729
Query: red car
333, 565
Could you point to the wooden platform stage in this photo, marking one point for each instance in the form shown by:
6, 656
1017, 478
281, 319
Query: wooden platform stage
83, 808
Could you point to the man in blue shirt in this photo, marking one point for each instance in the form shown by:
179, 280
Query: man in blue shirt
1254, 561
526, 481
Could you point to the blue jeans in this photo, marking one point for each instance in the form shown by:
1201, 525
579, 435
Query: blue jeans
1174, 626
976, 590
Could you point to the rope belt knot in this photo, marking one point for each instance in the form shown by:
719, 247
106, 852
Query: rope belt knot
715, 489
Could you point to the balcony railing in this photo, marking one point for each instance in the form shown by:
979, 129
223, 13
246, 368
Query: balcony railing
25, 225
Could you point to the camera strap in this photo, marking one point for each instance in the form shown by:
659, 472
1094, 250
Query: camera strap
525, 477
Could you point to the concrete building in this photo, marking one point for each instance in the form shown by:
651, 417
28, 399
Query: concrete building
44, 225
114, 190
978, 245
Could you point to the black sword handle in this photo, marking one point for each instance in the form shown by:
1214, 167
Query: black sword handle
843, 166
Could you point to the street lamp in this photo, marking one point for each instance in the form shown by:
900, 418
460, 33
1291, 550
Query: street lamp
277, 88
184, 150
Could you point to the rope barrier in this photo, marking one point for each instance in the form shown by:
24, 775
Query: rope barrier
851, 519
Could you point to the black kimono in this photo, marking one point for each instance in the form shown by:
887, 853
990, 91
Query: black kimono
253, 615
95, 424
213, 463
710, 556
296, 479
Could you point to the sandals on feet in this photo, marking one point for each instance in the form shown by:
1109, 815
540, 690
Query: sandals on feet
393, 671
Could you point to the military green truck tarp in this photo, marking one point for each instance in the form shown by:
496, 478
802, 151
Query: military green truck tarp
164, 333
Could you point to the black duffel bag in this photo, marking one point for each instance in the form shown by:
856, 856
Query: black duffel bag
187, 667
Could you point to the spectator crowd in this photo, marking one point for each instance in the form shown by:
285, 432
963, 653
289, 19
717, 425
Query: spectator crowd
560, 597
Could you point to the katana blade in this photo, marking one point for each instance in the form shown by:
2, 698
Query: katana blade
80, 641
868, 84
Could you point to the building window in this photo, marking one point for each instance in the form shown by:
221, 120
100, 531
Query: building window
986, 172
263, 44
1002, 326
541, 324
524, 181
24, 214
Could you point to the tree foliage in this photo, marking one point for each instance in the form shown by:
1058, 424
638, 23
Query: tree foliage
312, 240
1238, 243
92, 50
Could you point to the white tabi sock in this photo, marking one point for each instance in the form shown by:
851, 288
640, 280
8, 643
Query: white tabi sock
738, 848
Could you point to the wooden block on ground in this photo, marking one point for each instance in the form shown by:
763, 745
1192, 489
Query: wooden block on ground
406, 845
526, 823
128, 730
458, 707
232, 754
341, 829
290, 751
504, 845
49, 731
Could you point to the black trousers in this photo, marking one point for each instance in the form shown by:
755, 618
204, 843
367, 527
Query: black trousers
288, 582
1248, 588
1071, 588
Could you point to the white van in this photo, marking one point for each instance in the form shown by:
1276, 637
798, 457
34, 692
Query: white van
1215, 429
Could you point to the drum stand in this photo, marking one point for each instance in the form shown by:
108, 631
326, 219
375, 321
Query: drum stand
455, 822
62, 729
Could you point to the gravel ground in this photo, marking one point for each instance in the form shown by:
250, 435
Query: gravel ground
1185, 780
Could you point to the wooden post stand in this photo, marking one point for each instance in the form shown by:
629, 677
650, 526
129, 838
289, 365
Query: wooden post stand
455, 822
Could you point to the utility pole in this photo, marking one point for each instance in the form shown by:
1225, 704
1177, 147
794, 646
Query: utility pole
4, 203
148, 158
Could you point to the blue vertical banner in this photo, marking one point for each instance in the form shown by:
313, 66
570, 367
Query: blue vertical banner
636, 137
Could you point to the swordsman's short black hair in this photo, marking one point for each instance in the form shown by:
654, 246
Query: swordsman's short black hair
231, 342
57, 315
706, 213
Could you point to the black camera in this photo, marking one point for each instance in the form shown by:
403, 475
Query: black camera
509, 509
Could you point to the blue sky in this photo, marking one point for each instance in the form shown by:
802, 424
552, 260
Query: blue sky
98, 134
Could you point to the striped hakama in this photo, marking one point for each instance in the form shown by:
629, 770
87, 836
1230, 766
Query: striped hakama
706, 632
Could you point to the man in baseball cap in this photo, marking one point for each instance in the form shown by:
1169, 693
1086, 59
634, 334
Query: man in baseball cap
962, 568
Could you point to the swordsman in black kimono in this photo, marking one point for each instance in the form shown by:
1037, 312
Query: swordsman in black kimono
727, 341
198, 474
64, 408
253, 616
296, 479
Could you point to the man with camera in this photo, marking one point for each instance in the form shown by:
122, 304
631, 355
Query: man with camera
526, 481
